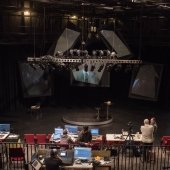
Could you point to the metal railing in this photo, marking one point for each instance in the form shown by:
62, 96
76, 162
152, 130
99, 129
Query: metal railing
122, 157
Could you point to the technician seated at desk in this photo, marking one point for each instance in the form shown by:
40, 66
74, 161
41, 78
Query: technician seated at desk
63, 140
77, 158
51, 159
54, 161
85, 136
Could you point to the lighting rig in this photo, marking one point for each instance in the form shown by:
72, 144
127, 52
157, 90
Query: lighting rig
75, 57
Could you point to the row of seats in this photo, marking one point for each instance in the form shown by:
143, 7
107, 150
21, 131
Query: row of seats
37, 138
45, 138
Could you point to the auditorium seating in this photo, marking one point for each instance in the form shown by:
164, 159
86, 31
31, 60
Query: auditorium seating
29, 138
41, 138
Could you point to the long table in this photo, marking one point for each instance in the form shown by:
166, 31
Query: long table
97, 138
119, 138
3, 135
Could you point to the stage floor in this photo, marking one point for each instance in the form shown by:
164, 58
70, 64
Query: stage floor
52, 116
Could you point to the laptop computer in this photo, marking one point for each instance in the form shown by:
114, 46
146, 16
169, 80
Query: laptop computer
94, 131
57, 133
67, 156
5, 128
71, 129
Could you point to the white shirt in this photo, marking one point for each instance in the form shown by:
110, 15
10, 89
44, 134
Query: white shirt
147, 133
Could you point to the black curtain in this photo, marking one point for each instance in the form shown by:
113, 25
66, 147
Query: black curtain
8, 79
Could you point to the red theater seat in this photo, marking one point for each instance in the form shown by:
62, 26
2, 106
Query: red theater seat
29, 138
16, 156
41, 138
165, 142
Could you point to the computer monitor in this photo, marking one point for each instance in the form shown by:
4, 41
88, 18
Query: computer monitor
83, 153
57, 133
95, 131
71, 129
5, 127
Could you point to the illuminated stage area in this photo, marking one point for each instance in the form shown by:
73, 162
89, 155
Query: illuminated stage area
90, 121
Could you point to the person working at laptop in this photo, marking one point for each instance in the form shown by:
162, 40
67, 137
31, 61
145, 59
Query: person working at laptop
65, 138
85, 136
54, 161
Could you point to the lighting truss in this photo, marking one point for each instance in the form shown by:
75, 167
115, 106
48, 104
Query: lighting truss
51, 59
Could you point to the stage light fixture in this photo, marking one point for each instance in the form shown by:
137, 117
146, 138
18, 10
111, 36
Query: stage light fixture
101, 53
86, 67
59, 54
86, 53
107, 52
101, 68
27, 13
92, 68
78, 52
42, 66
33, 65
113, 55
71, 52
94, 52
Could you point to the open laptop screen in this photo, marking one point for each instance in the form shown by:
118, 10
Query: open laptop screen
95, 131
71, 129
83, 153
4, 127
57, 133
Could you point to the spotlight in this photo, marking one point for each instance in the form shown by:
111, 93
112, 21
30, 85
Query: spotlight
59, 54
92, 68
78, 52
101, 53
107, 53
113, 55
86, 68
42, 66
101, 68
71, 52
85, 52
94, 52
33, 66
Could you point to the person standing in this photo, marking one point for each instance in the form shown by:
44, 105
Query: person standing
65, 138
154, 124
147, 131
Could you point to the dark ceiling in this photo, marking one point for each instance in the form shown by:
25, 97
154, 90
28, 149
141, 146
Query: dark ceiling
143, 24
107, 8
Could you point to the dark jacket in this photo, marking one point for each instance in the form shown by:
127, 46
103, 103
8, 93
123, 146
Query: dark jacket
85, 137
53, 163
